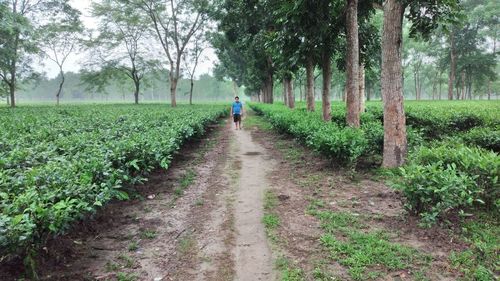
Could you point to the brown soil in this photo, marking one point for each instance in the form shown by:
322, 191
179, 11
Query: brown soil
307, 176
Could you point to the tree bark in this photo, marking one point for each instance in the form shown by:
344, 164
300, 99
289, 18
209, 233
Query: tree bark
12, 92
463, 85
362, 88
326, 104
173, 90
309, 84
136, 91
352, 78
191, 91
395, 143
268, 88
451, 78
58, 95
291, 96
489, 90
285, 92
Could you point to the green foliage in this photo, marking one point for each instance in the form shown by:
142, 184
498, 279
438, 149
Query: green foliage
481, 259
58, 165
343, 145
449, 178
364, 253
483, 137
271, 221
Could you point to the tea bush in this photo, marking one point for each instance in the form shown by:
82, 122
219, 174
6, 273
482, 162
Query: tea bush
57, 165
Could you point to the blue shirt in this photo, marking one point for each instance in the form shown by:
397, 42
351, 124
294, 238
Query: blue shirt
237, 106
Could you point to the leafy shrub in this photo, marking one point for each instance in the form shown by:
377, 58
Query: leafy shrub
58, 165
449, 177
483, 137
342, 145
433, 190
481, 165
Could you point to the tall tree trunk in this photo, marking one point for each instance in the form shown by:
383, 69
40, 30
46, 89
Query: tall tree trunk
289, 91
453, 65
362, 88
395, 143
173, 89
136, 91
268, 88
12, 92
489, 90
58, 95
285, 92
191, 90
300, 90
353, 114
235, 88
326, 104
463, 85
309, 84
440, 85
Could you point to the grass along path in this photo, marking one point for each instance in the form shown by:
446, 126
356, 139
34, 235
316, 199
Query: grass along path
330, 224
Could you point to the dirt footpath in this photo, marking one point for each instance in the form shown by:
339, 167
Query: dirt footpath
252, 254
200, 220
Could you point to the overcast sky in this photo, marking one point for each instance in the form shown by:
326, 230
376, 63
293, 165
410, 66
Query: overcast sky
75, 60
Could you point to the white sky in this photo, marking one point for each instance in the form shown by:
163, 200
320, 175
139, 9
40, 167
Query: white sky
75, 60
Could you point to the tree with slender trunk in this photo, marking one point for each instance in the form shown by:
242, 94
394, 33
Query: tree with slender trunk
352, 65
453, 65
288, 85
310, 84
60, 42
326, 104
19, 22
191, 61
120, 51
361, 88
395, 143
174, 22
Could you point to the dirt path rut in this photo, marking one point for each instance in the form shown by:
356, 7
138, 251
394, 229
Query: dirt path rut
252, 254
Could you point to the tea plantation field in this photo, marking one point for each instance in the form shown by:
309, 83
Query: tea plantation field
59, 164
453, 162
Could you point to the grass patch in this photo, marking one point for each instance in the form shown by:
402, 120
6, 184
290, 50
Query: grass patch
367, 255
289, 272
482, 259
111, 266
185, 181
133, 246
271, 221
123, 276
127, 261
186, 244
148, 234
270, 200
253, 120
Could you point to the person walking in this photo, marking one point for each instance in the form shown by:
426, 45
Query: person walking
237, 112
